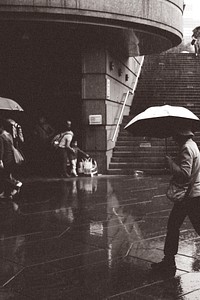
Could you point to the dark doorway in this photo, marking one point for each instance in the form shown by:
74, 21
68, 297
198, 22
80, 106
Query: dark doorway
40, 68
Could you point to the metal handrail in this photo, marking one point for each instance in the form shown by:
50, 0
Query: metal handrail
125, 100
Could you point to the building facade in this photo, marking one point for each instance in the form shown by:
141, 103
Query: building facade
78, 58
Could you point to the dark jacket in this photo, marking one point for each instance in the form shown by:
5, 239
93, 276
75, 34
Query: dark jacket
6, 150
186, 165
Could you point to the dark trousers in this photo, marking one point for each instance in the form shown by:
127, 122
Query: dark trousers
62, 157
7, 181
190, 208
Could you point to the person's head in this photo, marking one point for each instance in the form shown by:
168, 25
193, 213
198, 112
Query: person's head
8, 125
68, 124
11, 121
2, 125
74, 143
182, 135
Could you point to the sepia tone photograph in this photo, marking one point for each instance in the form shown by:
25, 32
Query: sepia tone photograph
99, 149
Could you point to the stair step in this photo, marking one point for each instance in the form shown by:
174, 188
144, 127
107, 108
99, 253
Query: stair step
138, 165
145, 159
124, 156
134, 171
156, 149
134, 154
142, 144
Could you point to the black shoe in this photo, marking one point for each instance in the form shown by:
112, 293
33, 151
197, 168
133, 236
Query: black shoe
164, 266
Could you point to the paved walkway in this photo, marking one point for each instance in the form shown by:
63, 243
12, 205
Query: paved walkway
93, 238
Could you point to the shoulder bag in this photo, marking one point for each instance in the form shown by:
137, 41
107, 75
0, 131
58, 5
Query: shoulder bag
57, 139
178, 192
18, 157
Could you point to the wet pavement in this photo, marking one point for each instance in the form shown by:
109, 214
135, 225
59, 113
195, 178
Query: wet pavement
93, 238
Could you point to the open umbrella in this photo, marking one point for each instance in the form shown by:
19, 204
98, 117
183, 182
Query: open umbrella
9, 104
196, 31
163, 121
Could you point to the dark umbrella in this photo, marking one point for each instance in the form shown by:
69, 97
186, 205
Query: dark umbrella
196, 31
163, 121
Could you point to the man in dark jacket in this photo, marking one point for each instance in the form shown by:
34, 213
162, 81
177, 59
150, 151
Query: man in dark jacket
185, 170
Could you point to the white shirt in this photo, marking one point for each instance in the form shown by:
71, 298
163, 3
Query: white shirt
66, 139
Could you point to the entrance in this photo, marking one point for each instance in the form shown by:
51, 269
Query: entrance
40, 68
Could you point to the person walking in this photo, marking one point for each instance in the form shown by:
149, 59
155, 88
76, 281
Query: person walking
64, 149
185, 171
16, 131
196, 40
9, 185
43, 132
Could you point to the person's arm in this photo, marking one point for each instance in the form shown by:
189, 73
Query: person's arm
68, 141
20, 134
1, 153
84, 154
183, 169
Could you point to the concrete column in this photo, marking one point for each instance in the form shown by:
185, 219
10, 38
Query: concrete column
93, 97
105, 80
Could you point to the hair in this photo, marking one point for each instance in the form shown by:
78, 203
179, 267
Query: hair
181, 139
3, 123
68, 124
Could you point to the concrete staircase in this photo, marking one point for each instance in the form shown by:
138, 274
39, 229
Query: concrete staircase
173, 79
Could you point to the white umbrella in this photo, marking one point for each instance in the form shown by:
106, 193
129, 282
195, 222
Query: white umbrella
163, 121
9, 104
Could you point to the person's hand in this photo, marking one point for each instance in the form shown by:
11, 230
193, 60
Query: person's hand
1, 164
72, 151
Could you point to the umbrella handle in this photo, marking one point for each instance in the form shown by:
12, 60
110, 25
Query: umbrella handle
166, 154
166, 150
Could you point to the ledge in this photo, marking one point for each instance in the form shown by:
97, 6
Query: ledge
145, 26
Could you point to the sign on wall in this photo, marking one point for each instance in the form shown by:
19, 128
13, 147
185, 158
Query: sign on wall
107, 88
95, 119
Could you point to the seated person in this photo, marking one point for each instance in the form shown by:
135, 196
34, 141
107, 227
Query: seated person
73, 157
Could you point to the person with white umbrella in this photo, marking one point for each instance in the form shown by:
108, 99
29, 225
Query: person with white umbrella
186, 173
184, 188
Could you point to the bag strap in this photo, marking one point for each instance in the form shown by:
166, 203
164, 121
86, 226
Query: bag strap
60, 138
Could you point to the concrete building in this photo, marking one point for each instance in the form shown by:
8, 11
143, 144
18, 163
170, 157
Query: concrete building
78, 58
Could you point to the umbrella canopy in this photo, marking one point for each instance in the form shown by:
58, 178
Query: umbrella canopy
196, 31
163, 121
9, 104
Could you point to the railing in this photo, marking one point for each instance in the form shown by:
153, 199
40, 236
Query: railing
126, 98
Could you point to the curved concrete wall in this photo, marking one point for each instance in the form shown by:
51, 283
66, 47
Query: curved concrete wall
151, 20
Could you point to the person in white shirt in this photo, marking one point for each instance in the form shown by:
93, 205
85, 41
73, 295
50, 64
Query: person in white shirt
64, 149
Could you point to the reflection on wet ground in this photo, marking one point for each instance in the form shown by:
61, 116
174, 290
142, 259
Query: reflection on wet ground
93, 238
